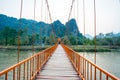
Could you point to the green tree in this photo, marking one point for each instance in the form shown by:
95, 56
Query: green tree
47, 40
12, 35
8, 36
118, 41
88, 42
37, 39
66, 40
40, 36
25, 36
100, 35
52, 38
5, 34
72, 39
1, 38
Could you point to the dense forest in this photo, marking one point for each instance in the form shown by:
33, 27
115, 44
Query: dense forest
44, 33
110, 39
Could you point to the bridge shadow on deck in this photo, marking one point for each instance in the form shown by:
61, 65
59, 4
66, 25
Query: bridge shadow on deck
58, 67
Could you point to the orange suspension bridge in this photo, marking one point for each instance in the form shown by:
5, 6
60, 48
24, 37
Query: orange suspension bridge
58, 62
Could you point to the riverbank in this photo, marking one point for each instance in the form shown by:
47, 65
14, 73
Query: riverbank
91, 48
24, 48
78, 48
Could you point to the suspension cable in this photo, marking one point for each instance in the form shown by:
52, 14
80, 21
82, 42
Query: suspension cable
50, 19
41, 10
21, 4
77, 10
41, 20
45, 13
77, 21
49, 15
71, 9
74, 13
33, 37
46, 20
34, 8
84, 25
49, 11
95, 31
76, 17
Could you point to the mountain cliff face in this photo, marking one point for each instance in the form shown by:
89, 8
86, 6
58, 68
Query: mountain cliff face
59, 28
44, 29
72, 27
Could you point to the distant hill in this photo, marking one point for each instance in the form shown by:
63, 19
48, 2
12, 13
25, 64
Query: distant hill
88, 36
117, 35
43, 33
42, 28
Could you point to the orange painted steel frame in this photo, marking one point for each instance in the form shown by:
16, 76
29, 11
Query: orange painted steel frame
28, 68
86, 69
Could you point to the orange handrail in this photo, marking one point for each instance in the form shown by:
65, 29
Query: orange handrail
86, 69
28, 68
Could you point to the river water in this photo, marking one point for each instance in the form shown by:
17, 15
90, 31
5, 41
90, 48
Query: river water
9, 58
109, 61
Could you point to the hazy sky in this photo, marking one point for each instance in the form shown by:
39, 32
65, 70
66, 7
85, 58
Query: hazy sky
107, 11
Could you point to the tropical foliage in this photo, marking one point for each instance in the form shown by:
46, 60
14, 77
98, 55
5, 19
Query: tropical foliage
43, 33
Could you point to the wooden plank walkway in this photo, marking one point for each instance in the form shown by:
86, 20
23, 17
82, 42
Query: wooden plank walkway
58, 67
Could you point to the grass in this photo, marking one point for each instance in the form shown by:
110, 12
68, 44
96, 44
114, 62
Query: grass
91, 48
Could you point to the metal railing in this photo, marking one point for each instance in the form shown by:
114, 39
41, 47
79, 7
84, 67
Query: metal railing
86, 69
28, 68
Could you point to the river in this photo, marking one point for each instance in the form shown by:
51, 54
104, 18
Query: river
9, 57
109, 61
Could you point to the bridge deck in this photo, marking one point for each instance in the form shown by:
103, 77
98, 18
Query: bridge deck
58, 67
